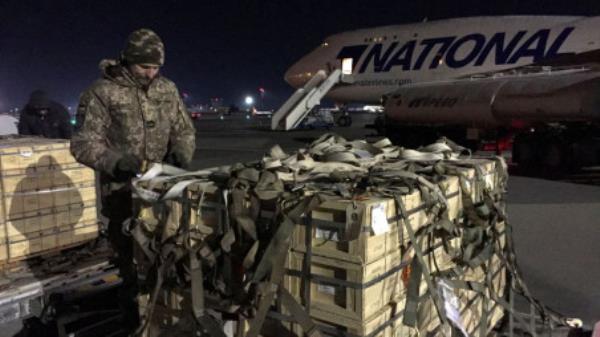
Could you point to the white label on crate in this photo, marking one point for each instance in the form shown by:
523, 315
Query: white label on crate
26, 153
324, 234
379, 222
329, 290
451, 305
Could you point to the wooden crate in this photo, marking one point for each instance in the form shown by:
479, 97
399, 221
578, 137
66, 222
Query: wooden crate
60, 215
17, 203
33, 153
435, 254
401, 330
478, 274
418, 217
381, 277
48, 199
36, 243
378, 325
210, 213
470, 317
335, 233
471, 305
475, 183
470, 302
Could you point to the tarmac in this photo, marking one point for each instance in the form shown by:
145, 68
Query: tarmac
556, 225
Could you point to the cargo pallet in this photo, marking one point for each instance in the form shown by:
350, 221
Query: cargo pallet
29, 295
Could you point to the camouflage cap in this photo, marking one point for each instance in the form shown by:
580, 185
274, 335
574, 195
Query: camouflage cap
144, 46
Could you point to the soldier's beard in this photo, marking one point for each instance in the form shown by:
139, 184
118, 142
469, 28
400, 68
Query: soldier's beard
140, 78
143, 81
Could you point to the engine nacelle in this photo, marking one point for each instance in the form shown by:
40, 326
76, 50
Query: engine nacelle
550, 96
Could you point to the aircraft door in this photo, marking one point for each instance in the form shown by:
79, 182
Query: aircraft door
347, 66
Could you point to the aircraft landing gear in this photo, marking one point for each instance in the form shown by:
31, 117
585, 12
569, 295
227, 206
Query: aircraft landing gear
344, 120
545, 152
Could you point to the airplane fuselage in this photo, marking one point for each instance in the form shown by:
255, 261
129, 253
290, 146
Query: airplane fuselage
385, 58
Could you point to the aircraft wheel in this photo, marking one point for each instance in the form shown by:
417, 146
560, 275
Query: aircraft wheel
554, 159
525, 153
349, 121
344, 121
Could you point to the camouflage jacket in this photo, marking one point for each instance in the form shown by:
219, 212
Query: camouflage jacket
117, 116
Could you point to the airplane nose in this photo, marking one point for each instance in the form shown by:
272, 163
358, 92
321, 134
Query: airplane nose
288, 76
303, 70
296, 76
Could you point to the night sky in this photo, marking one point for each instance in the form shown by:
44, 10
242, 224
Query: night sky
213, 48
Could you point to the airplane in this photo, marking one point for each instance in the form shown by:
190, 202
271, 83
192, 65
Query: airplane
531, 79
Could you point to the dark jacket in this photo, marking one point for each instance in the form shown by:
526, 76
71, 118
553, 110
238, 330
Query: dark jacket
56, 123
117, 116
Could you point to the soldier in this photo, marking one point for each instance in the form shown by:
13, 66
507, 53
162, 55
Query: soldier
44, 117
131, 115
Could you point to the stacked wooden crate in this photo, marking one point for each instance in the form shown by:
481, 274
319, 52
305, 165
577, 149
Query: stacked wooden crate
350, 260
351, 273
472, 305
48, 199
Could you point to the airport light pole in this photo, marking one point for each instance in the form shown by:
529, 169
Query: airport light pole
261, 90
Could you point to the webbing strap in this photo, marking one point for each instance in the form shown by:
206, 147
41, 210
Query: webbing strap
197, 285
276, 248
330, 167
205, 321
485, 301
143, 242
411, 304
153, 297
305, 286
210, 326
306, 276
270, 290
412, 294
298, 312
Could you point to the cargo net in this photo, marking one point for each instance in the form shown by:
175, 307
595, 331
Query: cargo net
342, 238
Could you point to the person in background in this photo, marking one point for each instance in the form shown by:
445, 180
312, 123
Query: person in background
44, 117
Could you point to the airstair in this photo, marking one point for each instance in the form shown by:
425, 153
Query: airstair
297, 107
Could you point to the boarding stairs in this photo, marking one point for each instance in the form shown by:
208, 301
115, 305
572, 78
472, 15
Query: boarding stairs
297, 107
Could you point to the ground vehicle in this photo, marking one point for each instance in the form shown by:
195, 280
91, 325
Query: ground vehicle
318, 119
195, 114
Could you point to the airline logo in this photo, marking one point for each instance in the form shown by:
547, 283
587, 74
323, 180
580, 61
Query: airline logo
427, 101
457, 51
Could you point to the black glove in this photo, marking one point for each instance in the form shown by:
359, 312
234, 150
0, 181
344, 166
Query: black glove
127, 167
176, 158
